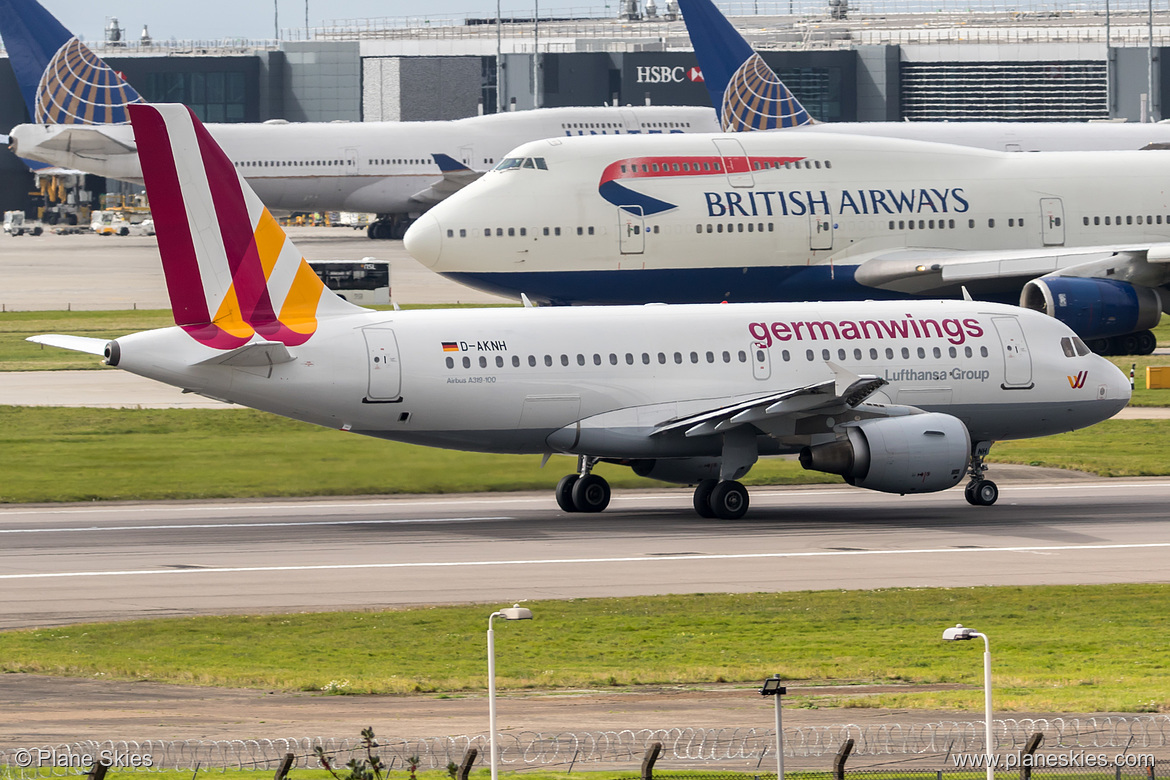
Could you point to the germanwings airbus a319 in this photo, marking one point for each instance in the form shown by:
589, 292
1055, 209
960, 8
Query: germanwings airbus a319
394, 169
900, 397
791, 216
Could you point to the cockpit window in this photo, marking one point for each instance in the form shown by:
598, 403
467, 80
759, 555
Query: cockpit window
1074, 347
510, 163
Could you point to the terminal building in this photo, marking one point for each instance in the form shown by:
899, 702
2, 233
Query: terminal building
844, 65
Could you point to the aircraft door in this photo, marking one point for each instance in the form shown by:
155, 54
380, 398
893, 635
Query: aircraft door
761, 362
385, 382
351, 160
631, 230
735, 162
630, 120
1052, 221
820, 231
467, 155
1017, 362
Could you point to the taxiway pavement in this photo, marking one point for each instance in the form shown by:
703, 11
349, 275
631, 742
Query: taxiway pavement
68, 563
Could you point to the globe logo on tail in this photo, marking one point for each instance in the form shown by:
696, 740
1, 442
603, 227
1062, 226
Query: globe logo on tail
756, 99
79, 88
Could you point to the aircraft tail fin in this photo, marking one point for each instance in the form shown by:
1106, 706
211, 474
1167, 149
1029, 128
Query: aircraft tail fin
61, 80
747, 94
231, 271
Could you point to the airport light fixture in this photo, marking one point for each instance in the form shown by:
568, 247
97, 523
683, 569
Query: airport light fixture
959, 633
515, 612
772, 687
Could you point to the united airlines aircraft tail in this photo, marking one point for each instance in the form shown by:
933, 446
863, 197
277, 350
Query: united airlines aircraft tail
231, 272
747, 94
62, 81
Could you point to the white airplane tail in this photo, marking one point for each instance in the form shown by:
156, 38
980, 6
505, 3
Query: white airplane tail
231, 272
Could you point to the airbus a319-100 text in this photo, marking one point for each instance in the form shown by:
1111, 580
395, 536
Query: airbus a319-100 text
902, 397
790, 216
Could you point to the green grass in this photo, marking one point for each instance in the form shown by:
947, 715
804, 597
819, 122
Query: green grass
16, 354
1057, 649
54, 454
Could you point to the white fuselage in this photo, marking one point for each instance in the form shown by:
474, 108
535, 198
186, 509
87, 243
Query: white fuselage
777, 215
539, 379
374, 167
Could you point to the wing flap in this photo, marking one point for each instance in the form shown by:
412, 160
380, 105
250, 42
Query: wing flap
845, 390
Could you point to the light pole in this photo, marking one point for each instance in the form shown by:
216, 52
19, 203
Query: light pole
772, 687
959, 633
515, 612
499, 73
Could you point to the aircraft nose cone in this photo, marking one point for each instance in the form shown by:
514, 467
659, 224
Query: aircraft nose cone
424, 240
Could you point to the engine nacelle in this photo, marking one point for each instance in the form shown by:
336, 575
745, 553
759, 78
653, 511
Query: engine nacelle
919, 453
1094, 308
683, 471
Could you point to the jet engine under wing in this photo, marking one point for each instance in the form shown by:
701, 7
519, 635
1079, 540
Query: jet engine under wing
846, 390
922, 271
456, 176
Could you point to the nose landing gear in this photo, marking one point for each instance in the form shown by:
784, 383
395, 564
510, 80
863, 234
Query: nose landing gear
980, 491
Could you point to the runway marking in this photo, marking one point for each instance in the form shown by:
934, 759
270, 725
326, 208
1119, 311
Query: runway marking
562, 561
220, 526
680, 496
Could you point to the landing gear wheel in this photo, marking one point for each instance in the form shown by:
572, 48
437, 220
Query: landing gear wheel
982, 492
1126, 345
729, 500
564, 493
590, 493
1146, 343
703, 497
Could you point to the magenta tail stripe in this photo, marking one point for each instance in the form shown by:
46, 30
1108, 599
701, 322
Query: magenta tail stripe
236, 229
180, 266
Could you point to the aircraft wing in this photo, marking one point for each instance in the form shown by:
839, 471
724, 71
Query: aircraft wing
456, 176
845, 391
922, 271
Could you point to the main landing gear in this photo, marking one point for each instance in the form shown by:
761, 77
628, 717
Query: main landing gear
980, 491
584, 491
725, 499
390, 227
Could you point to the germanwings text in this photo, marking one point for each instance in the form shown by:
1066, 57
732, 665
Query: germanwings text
953, 330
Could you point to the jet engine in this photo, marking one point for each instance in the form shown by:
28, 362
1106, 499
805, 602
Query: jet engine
919, 453
1094, 308
682, 471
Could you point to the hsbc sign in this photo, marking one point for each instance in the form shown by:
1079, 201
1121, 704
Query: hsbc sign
665, 74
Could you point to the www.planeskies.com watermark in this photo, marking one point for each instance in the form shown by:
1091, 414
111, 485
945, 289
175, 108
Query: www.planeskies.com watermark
1069, 759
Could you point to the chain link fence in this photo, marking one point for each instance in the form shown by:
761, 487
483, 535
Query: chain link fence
742, 747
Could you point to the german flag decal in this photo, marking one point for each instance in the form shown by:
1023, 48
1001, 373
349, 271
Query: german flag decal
450, 346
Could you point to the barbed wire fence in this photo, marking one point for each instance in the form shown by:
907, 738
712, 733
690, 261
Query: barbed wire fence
697, 746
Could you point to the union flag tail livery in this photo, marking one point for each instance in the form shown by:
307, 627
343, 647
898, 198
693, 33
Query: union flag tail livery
231, 272
746, 93
62, 81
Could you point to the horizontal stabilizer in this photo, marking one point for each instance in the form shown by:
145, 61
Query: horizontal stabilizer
260, 353
84, 140
75, 343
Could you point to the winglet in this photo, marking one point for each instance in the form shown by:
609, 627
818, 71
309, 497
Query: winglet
746, 93
231, 272
61, 80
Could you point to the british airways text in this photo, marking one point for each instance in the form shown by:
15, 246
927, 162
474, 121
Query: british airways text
799, 202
